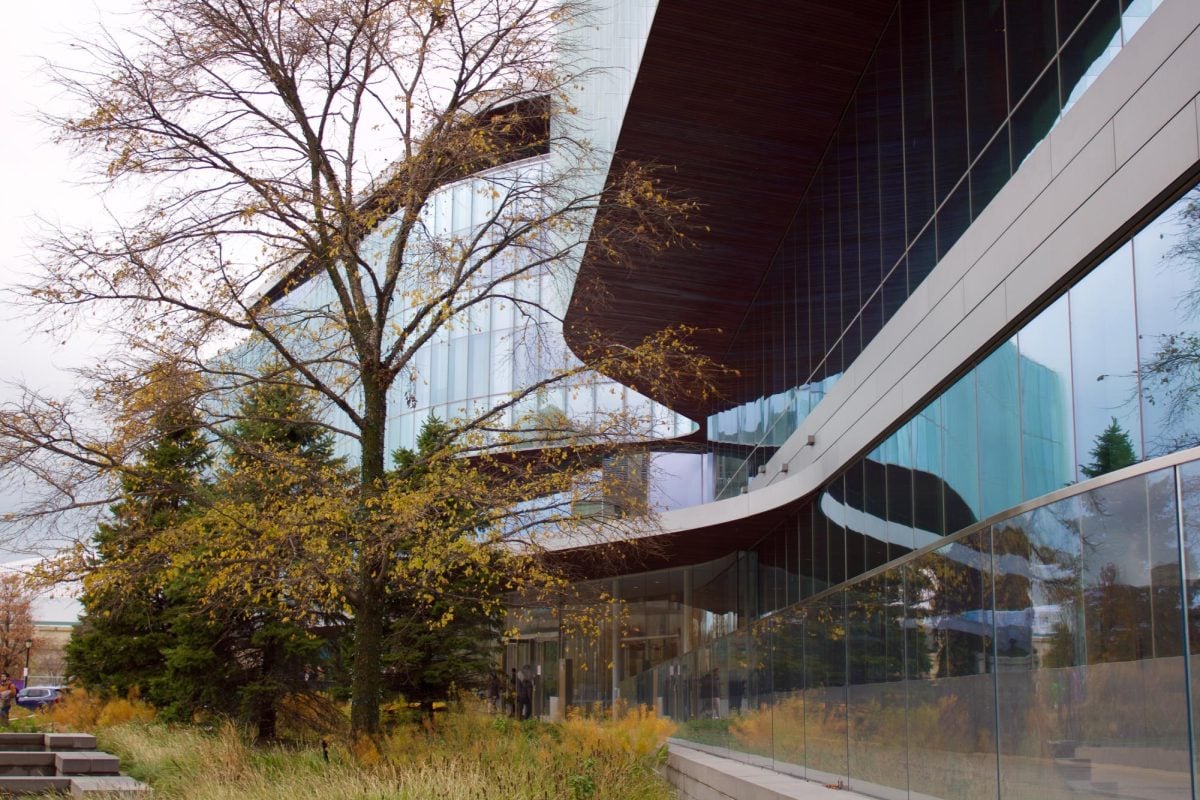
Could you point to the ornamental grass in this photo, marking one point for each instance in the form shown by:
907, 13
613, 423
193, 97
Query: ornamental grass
464, 754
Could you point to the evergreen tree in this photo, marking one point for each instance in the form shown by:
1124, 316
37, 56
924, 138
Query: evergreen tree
442, 637
128, 608
245, 652
1112, 451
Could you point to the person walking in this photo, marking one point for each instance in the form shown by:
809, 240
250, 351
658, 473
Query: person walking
8, 693
493, 691
525, 692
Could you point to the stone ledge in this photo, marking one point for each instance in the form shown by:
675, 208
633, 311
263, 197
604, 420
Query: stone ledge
701, 775
86, 763
70, 741
117, 786
33, 784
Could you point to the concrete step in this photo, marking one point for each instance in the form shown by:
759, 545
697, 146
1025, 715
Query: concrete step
69, 741
110, 787
22, 741
47, 741
33, 784
26, 762
64, 763
86, 763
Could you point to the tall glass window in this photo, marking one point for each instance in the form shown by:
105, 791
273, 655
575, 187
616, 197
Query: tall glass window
1167, 269
1047, 448
999, 430
1108, 431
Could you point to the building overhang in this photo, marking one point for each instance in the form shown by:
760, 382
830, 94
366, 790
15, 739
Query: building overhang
737, 105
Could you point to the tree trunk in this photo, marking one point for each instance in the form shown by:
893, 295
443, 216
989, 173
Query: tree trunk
366, 682
265, 711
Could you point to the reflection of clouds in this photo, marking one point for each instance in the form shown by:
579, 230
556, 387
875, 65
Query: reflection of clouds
874, 527
680, 480
1040, 620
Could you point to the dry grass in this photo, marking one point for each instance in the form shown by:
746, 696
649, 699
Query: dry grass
81, 711
467, 755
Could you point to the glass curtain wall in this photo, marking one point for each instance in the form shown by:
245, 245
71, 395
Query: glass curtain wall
958, 93
1102, 378
1042, 655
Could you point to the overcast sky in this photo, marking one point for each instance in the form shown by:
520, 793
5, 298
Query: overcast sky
38, 175
38, 181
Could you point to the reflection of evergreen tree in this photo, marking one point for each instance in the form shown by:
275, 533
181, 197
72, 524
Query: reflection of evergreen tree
1112, 451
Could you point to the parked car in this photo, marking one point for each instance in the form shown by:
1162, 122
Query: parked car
35, 697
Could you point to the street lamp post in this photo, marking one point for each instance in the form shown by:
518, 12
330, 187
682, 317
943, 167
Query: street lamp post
28, 647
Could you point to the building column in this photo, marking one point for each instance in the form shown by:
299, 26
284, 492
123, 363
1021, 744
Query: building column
685, 628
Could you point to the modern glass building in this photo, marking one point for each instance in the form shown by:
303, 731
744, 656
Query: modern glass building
952, 249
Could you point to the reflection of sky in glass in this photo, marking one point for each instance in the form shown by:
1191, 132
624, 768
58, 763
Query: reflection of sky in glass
1045, 381
1104, 354
1168, 284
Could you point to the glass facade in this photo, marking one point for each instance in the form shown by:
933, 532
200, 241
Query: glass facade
1020, 648
499, 346
976, 607
1102, 378
1040, 655
957, 94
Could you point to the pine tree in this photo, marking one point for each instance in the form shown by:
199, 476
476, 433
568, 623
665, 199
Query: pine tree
442, 637
246, 651
126, 625
1112, 451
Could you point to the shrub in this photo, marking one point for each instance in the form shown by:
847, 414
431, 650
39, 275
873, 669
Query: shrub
82, 711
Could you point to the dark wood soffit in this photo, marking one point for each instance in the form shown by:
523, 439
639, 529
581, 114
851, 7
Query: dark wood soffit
739, 101
677, 549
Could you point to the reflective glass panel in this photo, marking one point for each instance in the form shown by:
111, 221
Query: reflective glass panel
951, 695
1108, 432
987, 90
999, 430
877, 713
1189, 492
787, 669
949, 98
918, 120
1092, 46
1047, 432
928, 472
1039, 643
961, 492
825, 692
1032, 41
990, 172
1038, 112
1166, 257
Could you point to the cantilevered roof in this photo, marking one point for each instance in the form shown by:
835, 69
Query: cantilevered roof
739, 100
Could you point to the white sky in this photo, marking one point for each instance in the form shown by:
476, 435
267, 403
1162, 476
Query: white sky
39, 182
38, 175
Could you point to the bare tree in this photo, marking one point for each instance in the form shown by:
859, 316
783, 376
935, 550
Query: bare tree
292, 147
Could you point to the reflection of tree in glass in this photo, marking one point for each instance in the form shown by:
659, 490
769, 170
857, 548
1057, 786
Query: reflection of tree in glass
1112, 451
1170, 375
